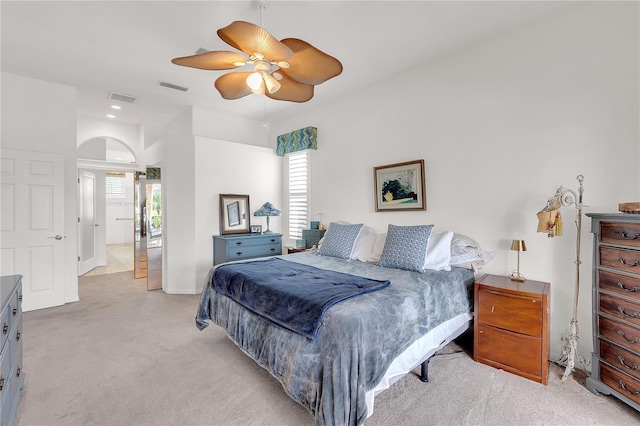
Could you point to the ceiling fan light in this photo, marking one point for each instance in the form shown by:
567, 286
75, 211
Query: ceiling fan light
277, 76
259, 91
254, 81
283, 64
239, 63
272, 84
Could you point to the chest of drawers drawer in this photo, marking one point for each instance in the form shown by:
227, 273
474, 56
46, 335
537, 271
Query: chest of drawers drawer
621, 259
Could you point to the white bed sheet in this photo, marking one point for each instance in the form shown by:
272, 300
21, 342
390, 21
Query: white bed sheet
417, 353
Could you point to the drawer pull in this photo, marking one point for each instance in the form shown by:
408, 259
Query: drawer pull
635, 339
238, 243
272, 249
15, 311
635, 366
5, 328
633, 290
18, 335
626, 237
238, 253
624, 387
624, 314
1, 383
624, 262
18, 372
273, 240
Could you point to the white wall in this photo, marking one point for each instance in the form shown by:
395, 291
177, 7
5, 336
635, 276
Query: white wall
41, 116
500, 127
129, 134
231, 168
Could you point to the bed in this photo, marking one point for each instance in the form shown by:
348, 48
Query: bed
363, 343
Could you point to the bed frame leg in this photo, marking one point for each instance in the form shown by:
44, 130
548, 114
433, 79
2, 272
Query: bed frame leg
424, 371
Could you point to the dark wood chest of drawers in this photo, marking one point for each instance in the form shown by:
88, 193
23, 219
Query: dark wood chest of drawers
616, 307
511, 330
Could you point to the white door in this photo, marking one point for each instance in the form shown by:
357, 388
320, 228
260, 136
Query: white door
86, 221
32, 225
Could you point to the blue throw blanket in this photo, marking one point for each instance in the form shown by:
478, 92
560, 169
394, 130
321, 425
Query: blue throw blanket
292, 295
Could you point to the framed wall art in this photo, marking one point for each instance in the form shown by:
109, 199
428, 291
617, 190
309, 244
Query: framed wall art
400, 186
234, 217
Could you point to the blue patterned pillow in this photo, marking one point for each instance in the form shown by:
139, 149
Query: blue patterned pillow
339, 240
405, 247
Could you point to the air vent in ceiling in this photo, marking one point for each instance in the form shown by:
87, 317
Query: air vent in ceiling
122, 98
173, 86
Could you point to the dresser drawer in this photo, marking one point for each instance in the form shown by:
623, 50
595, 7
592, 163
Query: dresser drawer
16, 339
510, 312
624, 384
620, 308
17, 376
617, 332
244, 252
624, 260
510, 350
620, 358
252, 241
620, 233
619, 284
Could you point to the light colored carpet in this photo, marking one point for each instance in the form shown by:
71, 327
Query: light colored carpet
126, 356
119, 259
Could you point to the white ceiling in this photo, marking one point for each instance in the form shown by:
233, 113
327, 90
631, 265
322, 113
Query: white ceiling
126, 47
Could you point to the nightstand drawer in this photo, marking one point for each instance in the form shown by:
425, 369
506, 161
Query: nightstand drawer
510, 350
515, 313
627, 234
622, 383
619, 284
619, 308
622, 259
617, 332
620, 358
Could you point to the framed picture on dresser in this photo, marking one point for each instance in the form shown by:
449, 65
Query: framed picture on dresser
234, 214
256, 229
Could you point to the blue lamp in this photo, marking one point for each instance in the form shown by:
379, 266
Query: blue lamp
267, 210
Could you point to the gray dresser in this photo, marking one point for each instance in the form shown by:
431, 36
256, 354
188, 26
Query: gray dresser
245, 246
11, 374
616, 306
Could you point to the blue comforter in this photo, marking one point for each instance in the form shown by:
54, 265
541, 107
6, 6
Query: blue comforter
358, 339
290, 294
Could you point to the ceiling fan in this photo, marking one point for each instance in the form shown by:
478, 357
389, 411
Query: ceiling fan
285, 70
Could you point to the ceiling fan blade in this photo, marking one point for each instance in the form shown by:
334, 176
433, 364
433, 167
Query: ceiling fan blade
252, 39
310, 65
217, 60
233, 85
292, 91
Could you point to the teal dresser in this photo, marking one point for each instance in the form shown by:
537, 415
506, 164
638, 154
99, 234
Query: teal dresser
245, 246
11, 374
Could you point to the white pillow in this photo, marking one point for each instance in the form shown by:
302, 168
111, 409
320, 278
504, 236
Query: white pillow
364, 244
466, 253
438, 255
378, 246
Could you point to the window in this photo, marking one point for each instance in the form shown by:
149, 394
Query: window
115, 184
298, 192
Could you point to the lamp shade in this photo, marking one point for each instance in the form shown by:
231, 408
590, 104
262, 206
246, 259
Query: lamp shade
267, 209
518, 245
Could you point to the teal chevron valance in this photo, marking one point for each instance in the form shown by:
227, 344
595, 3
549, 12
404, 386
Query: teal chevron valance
306, 138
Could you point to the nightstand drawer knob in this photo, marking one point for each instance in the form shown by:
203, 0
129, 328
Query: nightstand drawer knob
626, 237
238, 253
239, 243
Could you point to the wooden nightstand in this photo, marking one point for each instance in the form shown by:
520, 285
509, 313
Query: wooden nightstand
291, 250
511, 330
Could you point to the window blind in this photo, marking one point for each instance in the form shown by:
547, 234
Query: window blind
298, 191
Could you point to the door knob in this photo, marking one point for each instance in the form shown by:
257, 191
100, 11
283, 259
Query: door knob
57, 237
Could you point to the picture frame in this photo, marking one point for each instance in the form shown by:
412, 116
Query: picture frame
257, 229
400, 186
234, 214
